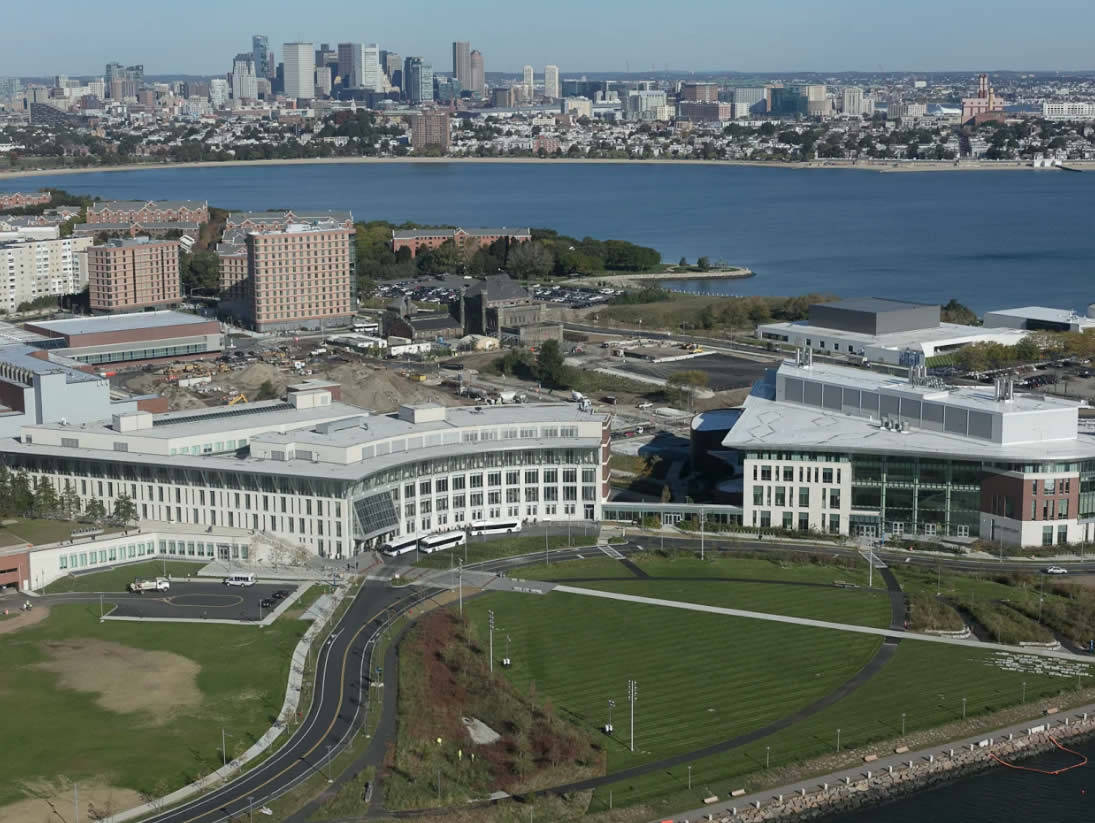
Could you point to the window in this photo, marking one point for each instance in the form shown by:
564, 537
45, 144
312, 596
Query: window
442, 485
458, 482
765, 472
1047, 535
834, 498
765, 519
1062, 508
780, 500
788, 520
803, 522
803, 496
826, 475
1049, 485
834, 524
532, 476
1062, 535
758, 495
788, 474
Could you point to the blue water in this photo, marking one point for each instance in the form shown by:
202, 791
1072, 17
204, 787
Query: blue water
999, 796
990, 239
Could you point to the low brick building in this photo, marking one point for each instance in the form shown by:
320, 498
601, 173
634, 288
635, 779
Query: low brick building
21, 199
468, 240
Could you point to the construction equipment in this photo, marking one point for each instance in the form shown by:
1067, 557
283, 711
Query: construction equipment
239, 398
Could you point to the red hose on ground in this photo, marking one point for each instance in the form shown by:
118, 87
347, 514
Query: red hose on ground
1083, 762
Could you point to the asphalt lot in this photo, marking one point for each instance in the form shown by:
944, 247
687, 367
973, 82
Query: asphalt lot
213, 601
723, 371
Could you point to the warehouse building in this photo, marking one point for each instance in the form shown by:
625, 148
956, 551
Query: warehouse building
883, 331
138, 337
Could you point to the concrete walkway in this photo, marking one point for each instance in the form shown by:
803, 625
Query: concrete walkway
771, 800
823, 624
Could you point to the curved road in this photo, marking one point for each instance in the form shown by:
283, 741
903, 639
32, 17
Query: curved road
342, 684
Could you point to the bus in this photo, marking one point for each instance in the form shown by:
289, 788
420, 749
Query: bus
445, 540
495, 526
400, 546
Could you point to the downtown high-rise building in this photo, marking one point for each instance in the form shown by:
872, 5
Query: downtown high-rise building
417, 80
392, 65
299, 63
244, 81
478, 83
852, 102
218, 92
551, 82
461, 62
370, 71
527, 79
262, 56
351, 64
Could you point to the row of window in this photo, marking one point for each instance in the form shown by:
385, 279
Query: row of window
133, 551
784, 496
762, 519
806, 474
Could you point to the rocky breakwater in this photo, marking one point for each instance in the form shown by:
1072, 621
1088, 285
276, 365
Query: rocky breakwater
886, 777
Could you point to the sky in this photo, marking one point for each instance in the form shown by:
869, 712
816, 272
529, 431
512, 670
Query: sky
77, 37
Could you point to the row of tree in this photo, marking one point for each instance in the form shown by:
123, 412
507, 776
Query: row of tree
19, 497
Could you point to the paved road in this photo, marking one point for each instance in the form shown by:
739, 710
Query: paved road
342, 688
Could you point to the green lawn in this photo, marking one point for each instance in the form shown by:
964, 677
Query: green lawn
479, 549
166, 744
924, 680
701, 677
116, 579
39, 532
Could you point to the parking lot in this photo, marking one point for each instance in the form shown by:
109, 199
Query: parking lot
723, 371
202, 601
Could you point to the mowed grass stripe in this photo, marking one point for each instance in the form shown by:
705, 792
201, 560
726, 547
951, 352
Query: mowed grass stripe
760, 568
580, 652
836, 605
925, 681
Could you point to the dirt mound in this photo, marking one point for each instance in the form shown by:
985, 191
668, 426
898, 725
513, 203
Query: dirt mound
248, 380
127, 680
49, 802
382, 390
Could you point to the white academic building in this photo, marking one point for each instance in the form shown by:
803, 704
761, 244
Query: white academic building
317, 473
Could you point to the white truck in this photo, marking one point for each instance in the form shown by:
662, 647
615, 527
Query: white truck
577, 396
158, 584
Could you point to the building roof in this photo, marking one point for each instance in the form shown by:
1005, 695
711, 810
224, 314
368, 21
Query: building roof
289, 215
120, 322
1045, 314
131, 242
945, 334
10, 333
137, 205
23, 361
412, 234
875, 304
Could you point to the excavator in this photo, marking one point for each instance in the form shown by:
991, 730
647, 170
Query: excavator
239, 398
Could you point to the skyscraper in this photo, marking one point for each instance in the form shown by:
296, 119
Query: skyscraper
417, 80
260, 53
299, 60
112, 75
370, 73
527, 79
852, 100
244, 85
392, 64
350, 64
478, 84
218, 92
461, 63
551, 82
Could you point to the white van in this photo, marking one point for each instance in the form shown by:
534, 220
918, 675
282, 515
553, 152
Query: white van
240, 579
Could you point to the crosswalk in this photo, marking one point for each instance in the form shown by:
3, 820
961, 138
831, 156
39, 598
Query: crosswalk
611, 552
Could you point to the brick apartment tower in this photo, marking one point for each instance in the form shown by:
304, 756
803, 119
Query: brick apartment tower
301, 277
129, 275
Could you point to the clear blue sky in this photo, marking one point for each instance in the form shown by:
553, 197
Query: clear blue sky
200, 36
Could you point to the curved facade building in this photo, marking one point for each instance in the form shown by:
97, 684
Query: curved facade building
326, 476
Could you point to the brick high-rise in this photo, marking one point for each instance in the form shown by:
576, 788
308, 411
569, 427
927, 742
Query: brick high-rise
124, 275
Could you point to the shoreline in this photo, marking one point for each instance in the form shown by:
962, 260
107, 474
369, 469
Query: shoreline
884, 167
638, 279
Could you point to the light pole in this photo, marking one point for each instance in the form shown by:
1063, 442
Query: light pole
702, 518
902, 724
547, 559
767, 756
632, 696
251, 808
76, 803
329, 778
1024, 692
611, 706
490, 623
224, 749
689, 778
838, 740
460, 586
963, 708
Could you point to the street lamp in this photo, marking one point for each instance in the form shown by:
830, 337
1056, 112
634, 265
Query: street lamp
251, 808
767, 756
838, 740
329, 778
963, 708
902, 724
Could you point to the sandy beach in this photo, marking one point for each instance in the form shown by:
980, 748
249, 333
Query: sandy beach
875, 166
629, 281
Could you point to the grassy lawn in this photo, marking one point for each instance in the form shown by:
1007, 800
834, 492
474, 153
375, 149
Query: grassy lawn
479, 549
925, 681
701, 677
116, 579
38, 532
137, 706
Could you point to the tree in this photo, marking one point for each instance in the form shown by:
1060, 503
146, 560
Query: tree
549, 364
955, 312
684, 262
703, 264
531, 259
686, 383
21, 494
95, 511
46, 503
70, 501
125, 510
266, 391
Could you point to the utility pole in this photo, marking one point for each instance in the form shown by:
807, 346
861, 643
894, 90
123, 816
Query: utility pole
701, 532
224, 750
1024, 692
963, 708
76, 803
838, 740
490, 623
690, 778
460, 587
547, 559
329, 778
767, 756
632, 696
902, 724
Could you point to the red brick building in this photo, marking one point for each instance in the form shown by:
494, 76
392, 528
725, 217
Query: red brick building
148, 211
469, 240
19, 199
134, 274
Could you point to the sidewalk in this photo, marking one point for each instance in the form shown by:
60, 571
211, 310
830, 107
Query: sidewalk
892, 773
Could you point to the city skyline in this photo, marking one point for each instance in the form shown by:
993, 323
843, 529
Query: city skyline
846, 37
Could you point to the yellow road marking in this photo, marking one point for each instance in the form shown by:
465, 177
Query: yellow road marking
331, 725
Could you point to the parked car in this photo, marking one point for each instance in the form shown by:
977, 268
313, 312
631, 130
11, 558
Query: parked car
266, 603
1055, 570
280, 594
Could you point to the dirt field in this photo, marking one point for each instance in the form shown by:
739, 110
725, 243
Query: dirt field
23, 620
53, 802
126, 679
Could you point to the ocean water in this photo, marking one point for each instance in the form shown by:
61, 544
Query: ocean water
1000, 795
991, 239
